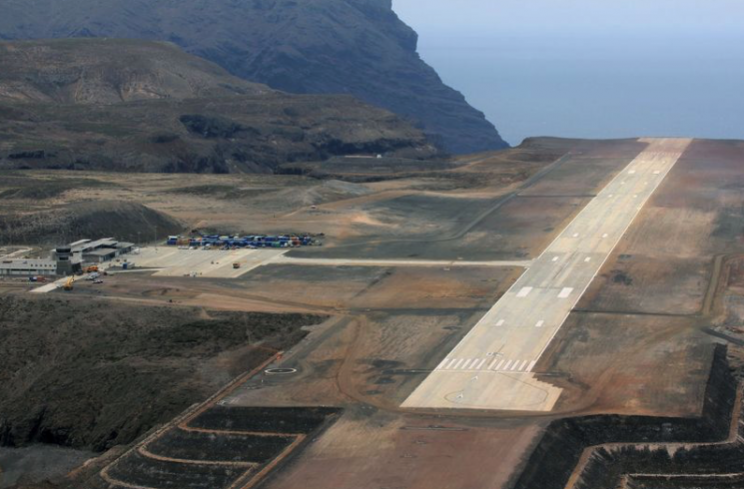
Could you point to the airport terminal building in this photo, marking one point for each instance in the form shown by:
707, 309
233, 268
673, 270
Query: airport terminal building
66, 260
28, 268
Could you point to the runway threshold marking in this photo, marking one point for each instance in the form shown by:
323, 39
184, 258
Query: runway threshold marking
601, 224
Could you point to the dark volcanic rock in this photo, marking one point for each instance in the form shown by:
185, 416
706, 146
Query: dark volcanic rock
92, 374
357, 47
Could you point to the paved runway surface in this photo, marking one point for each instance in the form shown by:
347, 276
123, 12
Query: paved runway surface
491, 368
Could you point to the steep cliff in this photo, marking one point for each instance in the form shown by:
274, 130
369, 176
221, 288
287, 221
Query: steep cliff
357, 47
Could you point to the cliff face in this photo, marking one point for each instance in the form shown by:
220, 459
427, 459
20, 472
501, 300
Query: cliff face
357, 47
130, 105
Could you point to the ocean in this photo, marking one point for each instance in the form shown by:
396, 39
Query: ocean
595, 87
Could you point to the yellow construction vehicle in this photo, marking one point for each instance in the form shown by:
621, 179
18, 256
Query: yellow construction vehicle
68, 284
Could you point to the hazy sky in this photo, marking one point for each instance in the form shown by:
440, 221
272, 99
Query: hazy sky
572, 17
590, 68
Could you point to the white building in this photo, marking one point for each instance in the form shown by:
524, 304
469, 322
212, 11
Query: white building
27, 268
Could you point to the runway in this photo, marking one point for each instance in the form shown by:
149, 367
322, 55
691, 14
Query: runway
492, 367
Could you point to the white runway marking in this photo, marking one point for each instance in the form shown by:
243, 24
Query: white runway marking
555, 258
605, 235
587, 259
540, 324
480, 364
465, 365
565, 292
524, 292
500, 322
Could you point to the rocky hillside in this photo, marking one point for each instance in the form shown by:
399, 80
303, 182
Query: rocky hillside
108, 71
144, 106
357, 47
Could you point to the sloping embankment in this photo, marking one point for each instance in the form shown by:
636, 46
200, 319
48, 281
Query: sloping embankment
642, 443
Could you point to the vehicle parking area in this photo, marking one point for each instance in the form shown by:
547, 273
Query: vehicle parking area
175, 262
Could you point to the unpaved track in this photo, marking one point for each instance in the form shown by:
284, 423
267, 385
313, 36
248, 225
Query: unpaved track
245, 481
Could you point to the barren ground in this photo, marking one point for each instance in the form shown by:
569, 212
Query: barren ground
641, 341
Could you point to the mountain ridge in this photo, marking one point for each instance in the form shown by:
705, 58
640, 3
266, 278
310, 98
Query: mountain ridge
132, 105
356, 47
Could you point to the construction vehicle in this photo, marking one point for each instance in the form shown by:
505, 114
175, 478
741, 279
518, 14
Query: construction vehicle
91, 269
236, 265
68, 285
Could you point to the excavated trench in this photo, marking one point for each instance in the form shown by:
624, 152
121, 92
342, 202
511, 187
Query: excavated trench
642, 452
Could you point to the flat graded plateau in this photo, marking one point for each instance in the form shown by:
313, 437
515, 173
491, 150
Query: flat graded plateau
463, 313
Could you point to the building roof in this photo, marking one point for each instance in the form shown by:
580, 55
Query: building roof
86, 245
101, 252
79, 243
